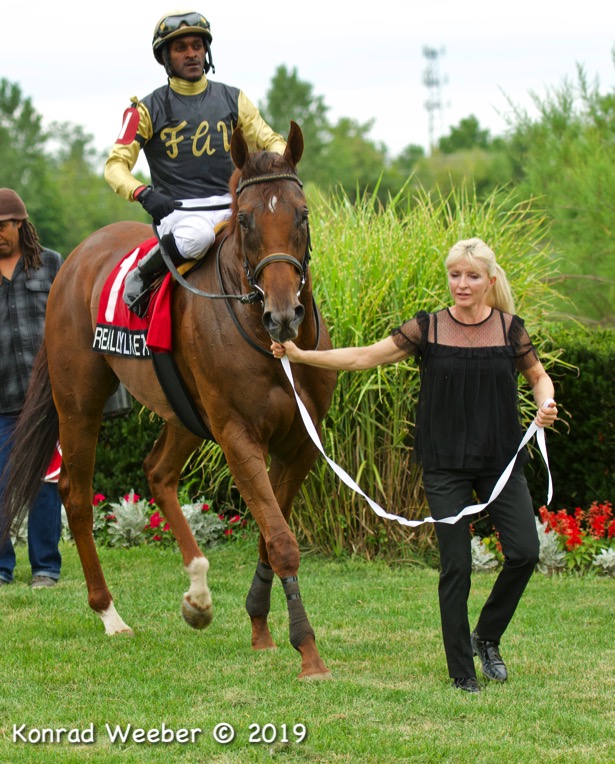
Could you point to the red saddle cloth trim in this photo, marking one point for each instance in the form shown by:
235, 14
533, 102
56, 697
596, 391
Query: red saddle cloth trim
53, 471
113, 311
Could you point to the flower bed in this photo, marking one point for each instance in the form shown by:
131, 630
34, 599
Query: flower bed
582, 541
133, 521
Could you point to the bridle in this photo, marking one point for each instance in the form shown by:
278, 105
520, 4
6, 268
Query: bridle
252, 274
277, 257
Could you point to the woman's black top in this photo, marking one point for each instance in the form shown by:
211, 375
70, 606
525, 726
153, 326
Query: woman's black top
468, 408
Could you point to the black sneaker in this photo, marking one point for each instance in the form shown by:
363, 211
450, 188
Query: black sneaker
467, 684
489, 654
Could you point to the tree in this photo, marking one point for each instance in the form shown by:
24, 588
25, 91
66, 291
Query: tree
86, 199
564, 157
57, 173
24, 162
354, 162
467, 135
289, 98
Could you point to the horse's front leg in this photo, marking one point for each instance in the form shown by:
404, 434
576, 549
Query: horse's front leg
286, 476
278, 548
163, 467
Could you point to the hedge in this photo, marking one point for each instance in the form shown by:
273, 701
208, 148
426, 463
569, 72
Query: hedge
582, 447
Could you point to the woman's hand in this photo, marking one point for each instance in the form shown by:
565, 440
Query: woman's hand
288, 348
278, 350
547, 413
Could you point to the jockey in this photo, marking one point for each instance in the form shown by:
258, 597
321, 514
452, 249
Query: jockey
184, 129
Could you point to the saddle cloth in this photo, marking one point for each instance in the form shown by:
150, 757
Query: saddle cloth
118, 330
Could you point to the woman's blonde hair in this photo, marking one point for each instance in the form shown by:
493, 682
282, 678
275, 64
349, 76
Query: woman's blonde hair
475, 251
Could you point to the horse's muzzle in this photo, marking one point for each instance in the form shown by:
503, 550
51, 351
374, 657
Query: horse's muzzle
283, 325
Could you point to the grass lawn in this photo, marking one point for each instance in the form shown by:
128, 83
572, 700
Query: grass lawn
378, 631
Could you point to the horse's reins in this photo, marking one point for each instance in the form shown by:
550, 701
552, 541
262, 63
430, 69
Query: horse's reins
252, 275
471, 509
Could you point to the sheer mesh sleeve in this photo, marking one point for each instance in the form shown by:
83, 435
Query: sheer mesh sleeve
412, 335
525, 353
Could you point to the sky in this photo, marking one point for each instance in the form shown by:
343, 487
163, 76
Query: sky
81, 63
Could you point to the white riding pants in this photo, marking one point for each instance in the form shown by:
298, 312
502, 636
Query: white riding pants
194, 231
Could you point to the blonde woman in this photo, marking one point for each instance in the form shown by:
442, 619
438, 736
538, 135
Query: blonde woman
467, 431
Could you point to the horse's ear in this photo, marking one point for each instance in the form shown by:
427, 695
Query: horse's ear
239, 148
294, 144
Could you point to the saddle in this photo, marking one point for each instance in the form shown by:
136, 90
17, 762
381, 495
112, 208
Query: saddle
121, 332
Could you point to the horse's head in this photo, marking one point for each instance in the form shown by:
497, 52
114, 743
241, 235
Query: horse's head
270, 217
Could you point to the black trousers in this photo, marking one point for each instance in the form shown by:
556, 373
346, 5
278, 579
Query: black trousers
512, 513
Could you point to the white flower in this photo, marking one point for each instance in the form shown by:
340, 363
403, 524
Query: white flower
482, 558
551, 559
606, 561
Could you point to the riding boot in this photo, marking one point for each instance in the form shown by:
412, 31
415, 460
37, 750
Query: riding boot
139, 280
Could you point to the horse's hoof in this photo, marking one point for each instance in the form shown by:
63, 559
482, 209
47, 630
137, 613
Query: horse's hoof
127, 632
265, 644
317, 676
195, 617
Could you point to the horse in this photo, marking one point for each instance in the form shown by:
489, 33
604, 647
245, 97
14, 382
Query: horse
239, 389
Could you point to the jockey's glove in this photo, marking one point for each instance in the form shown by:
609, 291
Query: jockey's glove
157, 204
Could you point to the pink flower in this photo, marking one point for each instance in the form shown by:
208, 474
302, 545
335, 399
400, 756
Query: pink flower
98, 498
228, 532
205, 508
135, 497
234, 519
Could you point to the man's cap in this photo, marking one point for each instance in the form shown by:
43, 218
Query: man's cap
11, 205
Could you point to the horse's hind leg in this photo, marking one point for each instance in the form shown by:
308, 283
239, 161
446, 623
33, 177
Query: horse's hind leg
78, 437
163, 467
258, 601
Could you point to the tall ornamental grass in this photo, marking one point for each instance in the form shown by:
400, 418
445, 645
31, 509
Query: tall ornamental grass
374, 268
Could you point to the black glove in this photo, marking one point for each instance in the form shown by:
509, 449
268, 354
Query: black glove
158, 205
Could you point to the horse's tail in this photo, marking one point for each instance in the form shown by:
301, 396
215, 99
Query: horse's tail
31, 448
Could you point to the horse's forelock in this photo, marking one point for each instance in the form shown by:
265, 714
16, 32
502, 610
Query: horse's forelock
259, 163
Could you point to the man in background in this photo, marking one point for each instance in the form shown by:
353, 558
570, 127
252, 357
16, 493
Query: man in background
27, 272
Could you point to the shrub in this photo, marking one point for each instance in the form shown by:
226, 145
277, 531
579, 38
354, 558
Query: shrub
133, 521
582, 445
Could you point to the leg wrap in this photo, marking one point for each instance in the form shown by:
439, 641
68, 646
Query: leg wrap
299, 626
259, 596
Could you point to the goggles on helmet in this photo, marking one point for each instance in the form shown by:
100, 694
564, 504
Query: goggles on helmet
191, 21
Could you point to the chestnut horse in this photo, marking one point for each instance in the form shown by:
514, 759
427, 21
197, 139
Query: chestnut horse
242, 395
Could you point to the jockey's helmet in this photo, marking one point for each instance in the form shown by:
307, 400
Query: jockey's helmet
178, 24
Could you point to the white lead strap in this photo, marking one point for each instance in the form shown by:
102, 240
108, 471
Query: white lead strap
470, 510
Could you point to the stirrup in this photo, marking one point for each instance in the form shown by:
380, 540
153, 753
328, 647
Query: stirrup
140, 304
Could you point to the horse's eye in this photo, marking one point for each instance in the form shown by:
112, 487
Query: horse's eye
305, 215
242, 219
